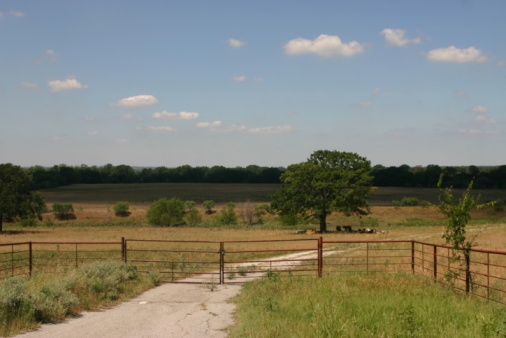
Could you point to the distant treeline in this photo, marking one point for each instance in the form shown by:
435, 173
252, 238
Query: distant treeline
402, 176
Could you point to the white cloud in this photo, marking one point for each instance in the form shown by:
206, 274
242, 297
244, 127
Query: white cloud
396, 37
482, 119
90, 118
30, 85
470, 131
479, 109
457, 55
176, 116
136, 101
68, 84
217, 126
460, 93
364, 103
501, 63
127, 117
239, 78
17, 14
235, 43
380, 90
324, 45
163, 129
93, 133
123, 140
272, 130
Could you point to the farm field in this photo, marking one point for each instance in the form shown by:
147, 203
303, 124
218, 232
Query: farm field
143, 193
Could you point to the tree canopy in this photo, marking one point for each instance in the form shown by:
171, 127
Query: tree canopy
16, 197
328, 181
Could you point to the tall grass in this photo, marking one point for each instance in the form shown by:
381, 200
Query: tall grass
351, 305
26, 303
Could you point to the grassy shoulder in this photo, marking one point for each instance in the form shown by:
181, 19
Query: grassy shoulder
25, 303
382, 305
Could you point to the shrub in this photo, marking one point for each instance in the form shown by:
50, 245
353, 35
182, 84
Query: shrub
166, 212
63, 211
228, 215
410, 202
193, 218
121, 209
53, 302
189, 205
208, 205
28, 222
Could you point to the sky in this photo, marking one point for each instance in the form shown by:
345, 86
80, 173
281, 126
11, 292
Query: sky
264, 82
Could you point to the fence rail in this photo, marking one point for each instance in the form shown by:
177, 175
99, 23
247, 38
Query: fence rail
481, 273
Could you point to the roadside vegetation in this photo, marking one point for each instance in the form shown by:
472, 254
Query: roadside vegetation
46, 298
373, 305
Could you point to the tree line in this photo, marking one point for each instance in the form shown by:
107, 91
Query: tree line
402, 176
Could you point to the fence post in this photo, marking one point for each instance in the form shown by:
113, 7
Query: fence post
222, 263
367, 257
320, 256
488, 275
435, 262
30, 258
123, 256
467, 257
125, 250
77, 262
412, 256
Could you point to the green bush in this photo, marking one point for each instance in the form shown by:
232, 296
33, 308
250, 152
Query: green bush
28, 222
193, 218
228, 215
63, 211
53, 302
121, 209
410, 202
208, 205
166, 212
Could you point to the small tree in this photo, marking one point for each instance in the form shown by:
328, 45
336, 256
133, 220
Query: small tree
457, 213
63, 211
166, 212
16, 197
208, 205
193, 218
122, 209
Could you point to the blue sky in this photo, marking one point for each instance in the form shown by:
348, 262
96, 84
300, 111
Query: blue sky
234, 83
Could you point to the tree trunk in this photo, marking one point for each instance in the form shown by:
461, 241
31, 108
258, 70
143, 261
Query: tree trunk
467, 258
323, 223
1, 224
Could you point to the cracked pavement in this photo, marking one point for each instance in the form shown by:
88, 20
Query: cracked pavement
169, 310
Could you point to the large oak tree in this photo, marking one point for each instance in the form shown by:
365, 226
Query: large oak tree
328, 181
16, 197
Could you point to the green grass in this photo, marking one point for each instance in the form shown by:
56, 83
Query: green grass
374, 305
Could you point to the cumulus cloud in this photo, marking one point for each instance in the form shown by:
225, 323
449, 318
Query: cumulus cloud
460, 93
93, 133
479, 109
176, 116
127, 117
136, 101
217, 126
501, 63
162, 129
482, 119
30, 85
324, 45
17, 14
68, 84
239, 78
457, 55
377, 91
235, 43
397, 37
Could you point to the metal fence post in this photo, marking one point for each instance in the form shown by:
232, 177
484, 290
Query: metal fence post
222, 263
30, 258
413, 257
488, 275
125, 250
435, 262
123, 255
320, 256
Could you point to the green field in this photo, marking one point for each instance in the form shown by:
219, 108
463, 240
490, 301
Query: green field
220, 193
